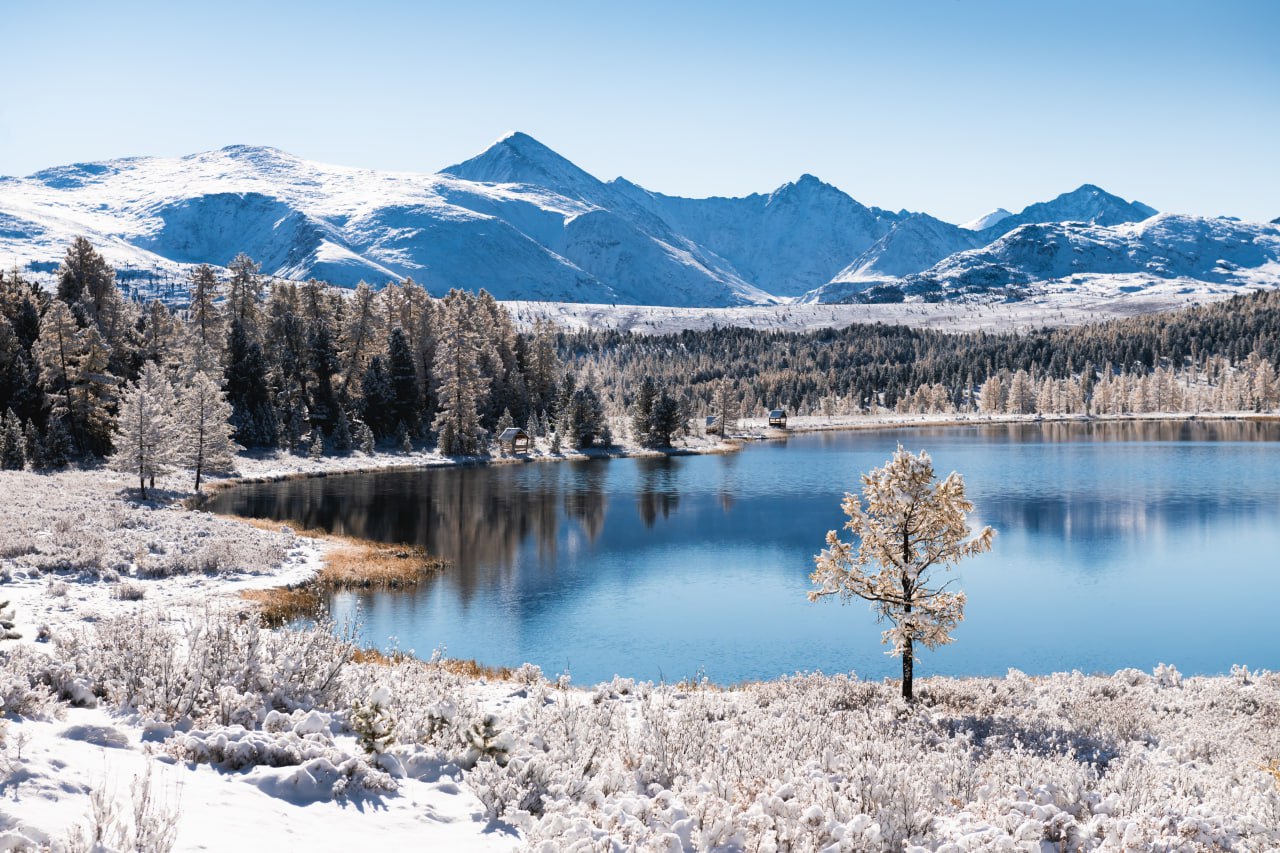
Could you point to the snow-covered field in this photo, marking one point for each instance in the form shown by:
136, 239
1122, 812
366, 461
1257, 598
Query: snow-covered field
139, 670
1072, 309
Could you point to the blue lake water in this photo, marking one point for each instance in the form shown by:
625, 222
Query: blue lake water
1119, 545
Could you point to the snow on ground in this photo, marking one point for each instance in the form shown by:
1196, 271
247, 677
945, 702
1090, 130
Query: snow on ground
1089, 304
248, 736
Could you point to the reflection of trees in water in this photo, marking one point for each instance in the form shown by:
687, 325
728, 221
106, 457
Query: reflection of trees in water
656, 494
477, 518
1177, 430
1092, 520
584, 503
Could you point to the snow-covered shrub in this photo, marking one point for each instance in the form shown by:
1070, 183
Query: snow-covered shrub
301, 740
373, 722
217, 664
7, 631
818, 763
32, 684
127, 591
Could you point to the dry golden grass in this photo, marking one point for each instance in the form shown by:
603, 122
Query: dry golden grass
349, 563
474, 669
1273, 767
283, 604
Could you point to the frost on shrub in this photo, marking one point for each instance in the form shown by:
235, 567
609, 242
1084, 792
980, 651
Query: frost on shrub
213, 665
373, 722
7, 631
32, 684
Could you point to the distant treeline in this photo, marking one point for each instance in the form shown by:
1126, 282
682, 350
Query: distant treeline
306, 367
869, 366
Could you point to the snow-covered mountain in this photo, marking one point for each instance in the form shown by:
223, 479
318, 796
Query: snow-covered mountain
526, 223
986, 220
1162, 252
1085, 204
913, 244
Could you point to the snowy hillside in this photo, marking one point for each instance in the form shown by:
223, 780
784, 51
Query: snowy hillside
1186, 253
913, 244
525, 223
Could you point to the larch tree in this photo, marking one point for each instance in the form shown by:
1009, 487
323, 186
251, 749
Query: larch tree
906, 525
146, 432
460, 384
203, 442
205, 322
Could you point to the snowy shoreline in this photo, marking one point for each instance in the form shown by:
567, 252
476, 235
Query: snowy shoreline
1128, 760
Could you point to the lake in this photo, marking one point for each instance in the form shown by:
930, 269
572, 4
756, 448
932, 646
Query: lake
1119, 545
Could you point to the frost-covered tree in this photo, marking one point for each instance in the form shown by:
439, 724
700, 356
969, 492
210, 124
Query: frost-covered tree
84, 274
204, 442
159, 333
13, 454
205, 323
460, 385
73, 368
906, 525
146, 432
244, 293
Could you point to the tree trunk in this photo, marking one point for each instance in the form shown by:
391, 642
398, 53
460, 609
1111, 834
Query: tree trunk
908, 670
142, 484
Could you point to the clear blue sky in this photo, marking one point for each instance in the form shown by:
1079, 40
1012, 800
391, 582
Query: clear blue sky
948, 106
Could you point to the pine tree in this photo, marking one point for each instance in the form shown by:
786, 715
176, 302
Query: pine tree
460, 386
73, 369
362, 333
160, 334
248, 390
665, 420
204, 443
642, 411
403, 376
84, 274
146, 432
543, 368
908, 525
32, 446
583, 419
377, 400
244, 294
205, 322
13, 454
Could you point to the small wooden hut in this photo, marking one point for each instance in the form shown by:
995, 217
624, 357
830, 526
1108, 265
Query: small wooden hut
778, 419
712, 426
514, 440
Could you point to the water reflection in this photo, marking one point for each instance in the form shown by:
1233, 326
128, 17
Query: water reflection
668, 564
657, 494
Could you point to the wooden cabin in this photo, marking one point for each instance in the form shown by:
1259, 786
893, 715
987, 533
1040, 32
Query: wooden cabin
712, 425
778, 419
514, 440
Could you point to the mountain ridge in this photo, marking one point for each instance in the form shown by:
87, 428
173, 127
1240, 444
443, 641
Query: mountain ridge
524, 222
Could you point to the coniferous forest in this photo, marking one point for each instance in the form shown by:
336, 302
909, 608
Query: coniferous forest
86, 372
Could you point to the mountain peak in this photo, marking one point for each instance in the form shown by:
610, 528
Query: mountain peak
518, 158
249, 150
1087, 203
986, 220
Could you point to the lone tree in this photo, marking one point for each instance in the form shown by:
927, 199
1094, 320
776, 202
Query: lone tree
909, 525
146, 432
